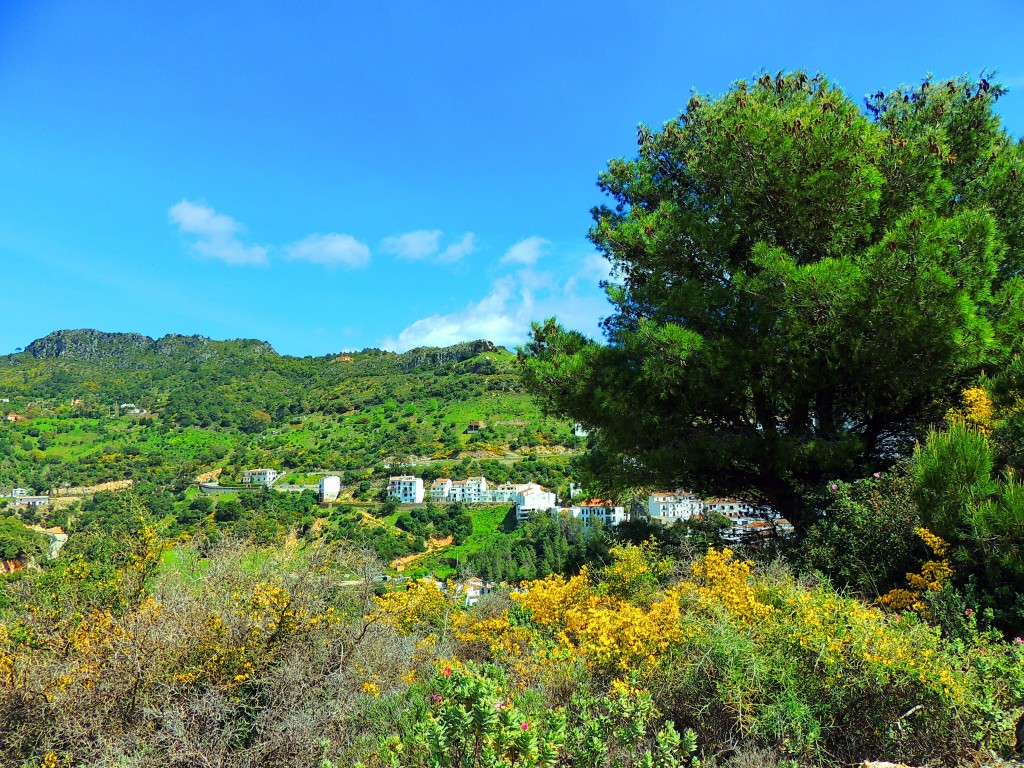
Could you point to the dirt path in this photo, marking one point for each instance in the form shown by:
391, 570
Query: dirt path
89, 490
433, 545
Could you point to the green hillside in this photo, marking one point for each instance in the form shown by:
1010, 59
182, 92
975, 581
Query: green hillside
208, 405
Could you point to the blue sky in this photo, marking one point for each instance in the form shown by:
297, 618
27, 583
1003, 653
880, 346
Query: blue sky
332, 176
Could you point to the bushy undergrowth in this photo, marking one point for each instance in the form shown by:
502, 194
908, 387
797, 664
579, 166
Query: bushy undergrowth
288, 657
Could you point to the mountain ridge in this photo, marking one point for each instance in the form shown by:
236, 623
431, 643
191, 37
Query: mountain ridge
90, 345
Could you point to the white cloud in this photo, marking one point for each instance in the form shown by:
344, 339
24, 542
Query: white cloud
595, 270
457, 250
526, 251
413, 245
426, 243
216, 234
512, 303
330, 250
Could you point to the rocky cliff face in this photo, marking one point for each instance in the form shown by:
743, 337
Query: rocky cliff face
434, 357
88, 344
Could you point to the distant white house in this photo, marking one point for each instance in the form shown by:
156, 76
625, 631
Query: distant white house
595, 510
746, 521
264, 477
531, 499
472, 490
507, 492
441, 489
666, 507
475, 588
406, 488
20, 492
579, 430
330, 487
30, 501
475, 490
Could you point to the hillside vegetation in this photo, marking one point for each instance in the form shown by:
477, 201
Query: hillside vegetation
236, 404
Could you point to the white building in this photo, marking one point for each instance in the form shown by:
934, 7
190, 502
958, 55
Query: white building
527, 497
734, 509
406, 488
596, 510
441, 489
472, 490
507, 492
330, 487
476, 489
30, 501
264, 477
530, 499
475, 589
666, 507
579, 430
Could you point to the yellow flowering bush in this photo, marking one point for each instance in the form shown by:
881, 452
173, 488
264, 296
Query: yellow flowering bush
935, 573
722, 582
635, 572
420, 604
976, 410
605, 629
784, 662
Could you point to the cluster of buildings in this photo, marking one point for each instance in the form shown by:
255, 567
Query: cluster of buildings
746, 521
528, 498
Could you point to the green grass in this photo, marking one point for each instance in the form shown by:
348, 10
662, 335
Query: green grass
186, 562
488, 526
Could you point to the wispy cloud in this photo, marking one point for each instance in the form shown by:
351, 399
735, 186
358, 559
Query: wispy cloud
459, 249
513, 301
526, 251
330, 250
413, 245
426, 243
216, 235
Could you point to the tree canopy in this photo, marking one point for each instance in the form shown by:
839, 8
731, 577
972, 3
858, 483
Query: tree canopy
800, 285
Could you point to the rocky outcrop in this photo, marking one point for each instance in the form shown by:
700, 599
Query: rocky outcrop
91, 345
175, 345
436, 357
88, 344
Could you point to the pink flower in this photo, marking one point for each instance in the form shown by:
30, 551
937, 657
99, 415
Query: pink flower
1018, 641
437, 698
969, 612
499, 703
447, 671
524, 726
835, 487
876, 475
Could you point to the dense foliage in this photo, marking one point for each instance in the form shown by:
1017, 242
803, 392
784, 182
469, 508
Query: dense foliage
802, 287
235, 405
122, 654
18, 541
